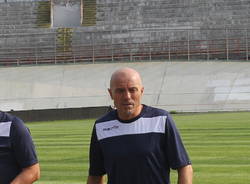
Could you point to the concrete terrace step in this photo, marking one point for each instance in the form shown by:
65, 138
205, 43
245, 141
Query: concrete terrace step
31, 31
16, 27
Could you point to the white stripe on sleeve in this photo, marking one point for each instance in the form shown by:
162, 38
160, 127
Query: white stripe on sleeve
5, 129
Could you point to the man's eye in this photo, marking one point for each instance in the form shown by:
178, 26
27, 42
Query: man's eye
133, 90
119, 90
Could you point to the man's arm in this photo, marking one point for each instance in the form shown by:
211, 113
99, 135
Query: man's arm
185, 175
95, 180
28, 175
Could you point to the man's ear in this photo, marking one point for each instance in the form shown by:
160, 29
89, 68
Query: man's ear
142, 90
110, 93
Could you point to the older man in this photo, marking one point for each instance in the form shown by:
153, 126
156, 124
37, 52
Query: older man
18, 160
136, 143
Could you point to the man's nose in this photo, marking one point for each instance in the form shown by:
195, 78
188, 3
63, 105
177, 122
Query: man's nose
127, 94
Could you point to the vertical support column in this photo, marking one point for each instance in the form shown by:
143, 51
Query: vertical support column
169, 51
150, 46
112, 50
208, 45
93, 47
247, 44
188, 45
64, 44
55, 40
36, 53
130, 50
227, 44
18, 61
111, 35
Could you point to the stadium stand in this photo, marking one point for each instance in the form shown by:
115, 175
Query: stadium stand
125, 30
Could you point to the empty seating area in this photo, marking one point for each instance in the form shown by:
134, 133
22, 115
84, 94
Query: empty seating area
126, 30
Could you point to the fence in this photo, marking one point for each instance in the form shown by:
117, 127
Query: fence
67, 45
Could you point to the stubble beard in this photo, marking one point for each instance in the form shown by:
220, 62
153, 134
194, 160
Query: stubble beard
127, 113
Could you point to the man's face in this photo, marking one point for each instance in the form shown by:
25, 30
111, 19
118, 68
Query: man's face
126, 93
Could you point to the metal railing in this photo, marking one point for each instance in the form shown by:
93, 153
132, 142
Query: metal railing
72, 46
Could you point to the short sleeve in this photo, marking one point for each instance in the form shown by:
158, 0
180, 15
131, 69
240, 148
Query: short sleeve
22, 144
176, 153
96, 161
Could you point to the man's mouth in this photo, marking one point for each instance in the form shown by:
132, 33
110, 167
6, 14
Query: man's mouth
128, 104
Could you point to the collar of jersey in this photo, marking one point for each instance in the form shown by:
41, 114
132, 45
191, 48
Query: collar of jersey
144, 108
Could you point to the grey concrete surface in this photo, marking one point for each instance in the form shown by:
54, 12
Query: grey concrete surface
174, 86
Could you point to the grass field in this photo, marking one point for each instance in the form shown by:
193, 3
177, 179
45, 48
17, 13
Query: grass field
218, 144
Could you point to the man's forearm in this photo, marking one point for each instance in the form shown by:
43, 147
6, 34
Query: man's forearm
28, 175
185, 175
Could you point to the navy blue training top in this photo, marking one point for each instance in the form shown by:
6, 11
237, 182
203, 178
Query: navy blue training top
17, 150
141, 150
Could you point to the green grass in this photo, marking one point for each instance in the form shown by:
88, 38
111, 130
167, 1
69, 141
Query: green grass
62, 148
218, 144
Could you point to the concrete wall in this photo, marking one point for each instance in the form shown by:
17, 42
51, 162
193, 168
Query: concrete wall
180, 86
61, 114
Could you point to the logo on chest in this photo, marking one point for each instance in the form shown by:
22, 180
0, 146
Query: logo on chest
111, 128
